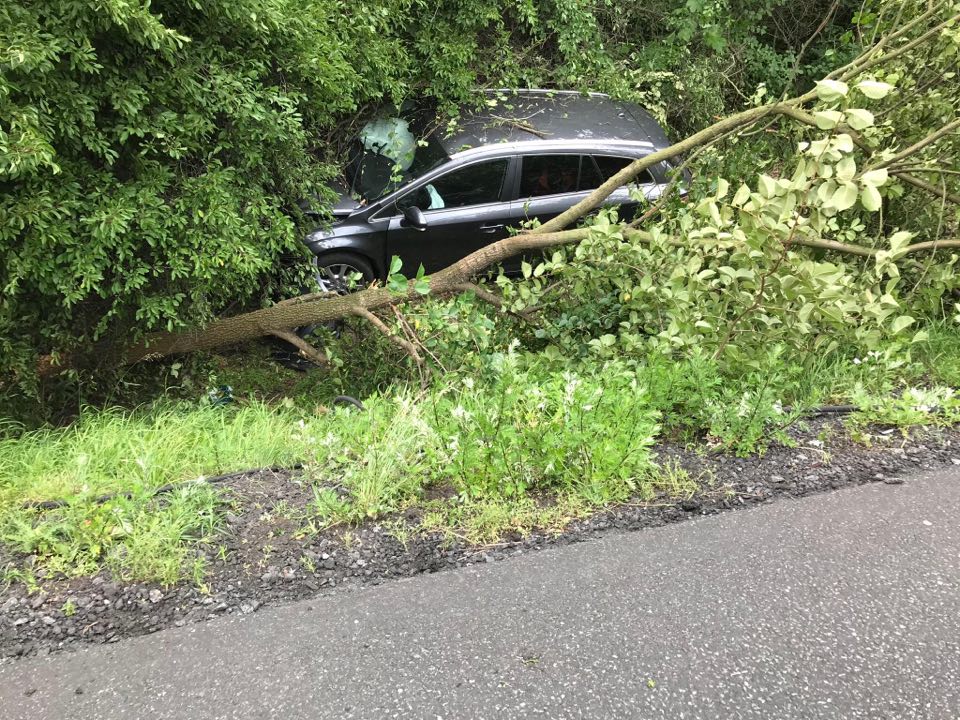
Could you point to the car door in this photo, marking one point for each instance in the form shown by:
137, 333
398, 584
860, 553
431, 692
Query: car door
645, 183
550, 184
465, 209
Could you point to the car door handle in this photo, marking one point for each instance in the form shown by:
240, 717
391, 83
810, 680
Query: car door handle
491, 228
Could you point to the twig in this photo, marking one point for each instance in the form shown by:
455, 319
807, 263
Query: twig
489, 297
859, 70
308, 350
803, 48
940, 192
675, 180
393, 337
521, 125
414, 339
920, 144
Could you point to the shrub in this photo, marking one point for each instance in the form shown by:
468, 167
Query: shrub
589, 434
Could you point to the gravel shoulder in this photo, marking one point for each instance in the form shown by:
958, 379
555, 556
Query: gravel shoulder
267, 557
840, 606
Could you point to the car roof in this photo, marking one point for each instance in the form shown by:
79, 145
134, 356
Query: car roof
554, 118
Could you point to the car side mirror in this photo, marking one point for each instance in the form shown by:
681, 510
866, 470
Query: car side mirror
413, 217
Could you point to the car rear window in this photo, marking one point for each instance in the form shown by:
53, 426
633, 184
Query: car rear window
610, 166
549, 175
590, 178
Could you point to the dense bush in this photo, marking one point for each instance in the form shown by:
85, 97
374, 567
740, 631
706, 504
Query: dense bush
152, 154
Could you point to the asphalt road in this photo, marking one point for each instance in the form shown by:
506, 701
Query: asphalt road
844, 605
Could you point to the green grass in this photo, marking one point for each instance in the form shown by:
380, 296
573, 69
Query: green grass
141, 537
112, 450
523, 444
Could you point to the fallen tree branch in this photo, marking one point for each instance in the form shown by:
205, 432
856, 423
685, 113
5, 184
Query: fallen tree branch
869, 64
919, 145
309, 297
874, 49
489, 297
808, 119
485, 295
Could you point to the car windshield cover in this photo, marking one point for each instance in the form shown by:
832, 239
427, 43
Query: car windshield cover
387, 154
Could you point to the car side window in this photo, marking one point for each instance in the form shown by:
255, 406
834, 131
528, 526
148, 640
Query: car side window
610, 166
590, 178
472, 185
548, 175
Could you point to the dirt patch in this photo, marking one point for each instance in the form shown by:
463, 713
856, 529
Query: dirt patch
268, 552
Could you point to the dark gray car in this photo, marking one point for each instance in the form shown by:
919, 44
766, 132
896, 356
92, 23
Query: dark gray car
528, 154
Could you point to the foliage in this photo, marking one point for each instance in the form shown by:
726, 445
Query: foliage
134, 534
377, 460
693, 61
152, 155
162, 190
589, 435
513, 442
804, 257
136, 537
937, 405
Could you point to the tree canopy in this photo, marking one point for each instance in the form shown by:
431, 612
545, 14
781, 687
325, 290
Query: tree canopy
152, 156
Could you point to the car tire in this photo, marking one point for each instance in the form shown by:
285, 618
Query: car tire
331, 272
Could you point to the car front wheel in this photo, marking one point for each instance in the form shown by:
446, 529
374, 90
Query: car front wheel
340, 273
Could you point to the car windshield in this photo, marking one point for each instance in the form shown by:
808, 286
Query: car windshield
388, 153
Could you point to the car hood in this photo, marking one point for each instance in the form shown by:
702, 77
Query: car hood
345, 203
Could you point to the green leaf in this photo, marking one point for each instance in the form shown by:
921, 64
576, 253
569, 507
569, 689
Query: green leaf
876, 178
395, 265
900, 240
767, 186
715, 214
828, 119
526, 268
422, 286
870, 198
846, 169
845, 196
858, 118
901, 323
831, 90
843, 143
743, 194
874, 89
